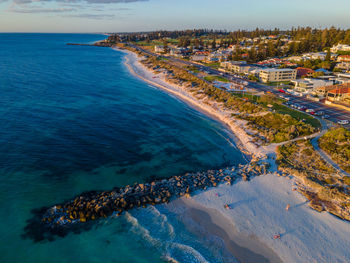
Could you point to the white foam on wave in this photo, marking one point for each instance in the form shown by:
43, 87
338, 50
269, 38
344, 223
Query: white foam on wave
172, 251
189, 252
164, 222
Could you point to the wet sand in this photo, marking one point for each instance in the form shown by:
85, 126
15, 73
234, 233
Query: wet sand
210, 222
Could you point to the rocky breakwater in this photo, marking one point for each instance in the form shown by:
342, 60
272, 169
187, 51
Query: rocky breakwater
93, 205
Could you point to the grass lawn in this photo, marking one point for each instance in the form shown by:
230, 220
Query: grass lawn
297, 115
215, 65
253, 98
212, 78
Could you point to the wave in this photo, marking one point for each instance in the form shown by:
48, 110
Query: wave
171, 251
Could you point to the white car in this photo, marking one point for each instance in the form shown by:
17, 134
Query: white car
309, 110
343, 122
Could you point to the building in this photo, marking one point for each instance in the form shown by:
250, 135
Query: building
241, 68
343, 58
322, 91
340, 93
304, 72
310, 85
343, 66
295, 58
159, 49
277, 75
317, 55
254, 71
229, 64
340, 47
324, 71
198, 57
343, 78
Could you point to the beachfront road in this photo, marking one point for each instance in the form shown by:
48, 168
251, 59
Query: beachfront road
335, 114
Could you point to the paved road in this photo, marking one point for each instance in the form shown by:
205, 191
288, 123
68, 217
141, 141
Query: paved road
335, 114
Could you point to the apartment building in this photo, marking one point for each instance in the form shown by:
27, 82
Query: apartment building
277, 75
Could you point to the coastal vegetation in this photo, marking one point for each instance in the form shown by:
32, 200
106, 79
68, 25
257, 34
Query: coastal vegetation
272, 126
336, 143
316, 180
276, 127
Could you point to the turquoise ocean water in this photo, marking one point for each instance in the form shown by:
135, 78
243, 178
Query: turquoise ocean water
73, 119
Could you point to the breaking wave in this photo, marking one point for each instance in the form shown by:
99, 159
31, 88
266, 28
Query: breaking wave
154, 227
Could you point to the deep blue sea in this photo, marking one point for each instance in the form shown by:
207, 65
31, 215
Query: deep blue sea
72, 119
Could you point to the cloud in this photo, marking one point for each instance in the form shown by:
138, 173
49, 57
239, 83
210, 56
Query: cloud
92, 16
94, 9
77, 1
41, 10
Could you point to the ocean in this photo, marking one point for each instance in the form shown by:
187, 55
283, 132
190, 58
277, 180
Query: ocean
73, 119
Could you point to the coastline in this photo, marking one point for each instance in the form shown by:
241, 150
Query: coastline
243, 140
253, 227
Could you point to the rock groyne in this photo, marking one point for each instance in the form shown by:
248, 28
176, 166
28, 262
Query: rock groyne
91, 206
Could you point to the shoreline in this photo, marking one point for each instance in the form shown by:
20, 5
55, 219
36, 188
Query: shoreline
211, 223
242, 139
252, 250
254, 225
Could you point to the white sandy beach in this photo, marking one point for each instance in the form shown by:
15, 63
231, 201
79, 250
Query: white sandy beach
257, 208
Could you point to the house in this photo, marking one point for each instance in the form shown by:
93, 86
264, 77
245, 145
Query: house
295, 58
309, 85
159, 49
343, 66
229, 64
340, 47
254, 71
241, 68
340, 93
304, 72
198, 57
343, 58
324, 71
318, 55
343, 78
322, 91
277, 75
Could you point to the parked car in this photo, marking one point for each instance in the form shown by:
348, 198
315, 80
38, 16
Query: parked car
343, 122
309, 110
325, 116
319, 113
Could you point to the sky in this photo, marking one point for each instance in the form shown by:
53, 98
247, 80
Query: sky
146, 15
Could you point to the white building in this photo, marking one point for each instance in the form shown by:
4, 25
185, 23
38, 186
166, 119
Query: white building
317, 55
340, 47
308, 85
198, 57
159, 49
343, 78
343, 66
277, 74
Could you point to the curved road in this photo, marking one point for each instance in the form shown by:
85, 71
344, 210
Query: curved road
335, 113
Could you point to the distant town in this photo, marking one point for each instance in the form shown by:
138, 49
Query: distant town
305, 62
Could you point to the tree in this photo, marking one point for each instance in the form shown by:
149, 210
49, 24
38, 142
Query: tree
252, 54
328, 56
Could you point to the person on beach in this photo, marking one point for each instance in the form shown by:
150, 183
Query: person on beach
287, 207
277, 236
227, 206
